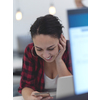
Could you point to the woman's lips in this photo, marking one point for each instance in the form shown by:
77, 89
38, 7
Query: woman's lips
49, 58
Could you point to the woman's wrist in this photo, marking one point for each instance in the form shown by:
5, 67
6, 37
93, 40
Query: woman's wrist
59, 61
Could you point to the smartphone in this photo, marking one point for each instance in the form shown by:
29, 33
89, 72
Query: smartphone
43, 94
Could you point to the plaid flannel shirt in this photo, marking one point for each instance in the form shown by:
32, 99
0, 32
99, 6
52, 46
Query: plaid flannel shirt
32, 75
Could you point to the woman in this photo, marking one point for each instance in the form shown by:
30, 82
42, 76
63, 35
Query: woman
46, 59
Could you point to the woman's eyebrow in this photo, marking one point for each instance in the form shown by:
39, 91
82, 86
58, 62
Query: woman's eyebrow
47, 47
37, 47
50, 46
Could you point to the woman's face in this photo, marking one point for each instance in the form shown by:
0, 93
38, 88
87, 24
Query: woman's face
46, 47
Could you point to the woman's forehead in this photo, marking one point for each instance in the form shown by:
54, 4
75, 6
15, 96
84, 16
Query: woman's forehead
44, 36
45, 40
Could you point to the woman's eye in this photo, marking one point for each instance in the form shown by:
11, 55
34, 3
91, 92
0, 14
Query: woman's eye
47, 49
39, 50
51, 49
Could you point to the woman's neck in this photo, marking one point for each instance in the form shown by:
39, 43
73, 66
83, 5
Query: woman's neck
51, 64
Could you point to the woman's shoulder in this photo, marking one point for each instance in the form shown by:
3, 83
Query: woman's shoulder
30, 51
67, 41
67, 51
29, 47
67, 45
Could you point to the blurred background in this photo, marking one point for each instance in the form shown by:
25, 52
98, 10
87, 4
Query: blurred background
25, 13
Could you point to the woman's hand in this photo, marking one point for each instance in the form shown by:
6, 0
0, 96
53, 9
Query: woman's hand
60, 64
33, 97
62, 48
47, 98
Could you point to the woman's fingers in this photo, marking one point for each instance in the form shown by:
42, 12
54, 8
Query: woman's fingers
38, 98
63, 44
47, 98
35, 98
34, 92
63, 38
60, 46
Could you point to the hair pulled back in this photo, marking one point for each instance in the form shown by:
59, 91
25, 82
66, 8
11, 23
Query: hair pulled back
47, 25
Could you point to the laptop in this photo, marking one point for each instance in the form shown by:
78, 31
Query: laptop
65, 87
78, 36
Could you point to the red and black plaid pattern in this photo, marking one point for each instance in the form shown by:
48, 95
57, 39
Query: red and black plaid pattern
32, 75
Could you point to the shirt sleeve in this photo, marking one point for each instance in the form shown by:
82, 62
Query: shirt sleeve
69, 58
27, 75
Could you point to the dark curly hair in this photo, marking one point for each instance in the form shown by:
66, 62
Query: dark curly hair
47, 25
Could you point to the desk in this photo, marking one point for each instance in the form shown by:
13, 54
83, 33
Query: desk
18, 98
21, 98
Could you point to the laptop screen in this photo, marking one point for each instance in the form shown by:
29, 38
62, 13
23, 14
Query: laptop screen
78, 36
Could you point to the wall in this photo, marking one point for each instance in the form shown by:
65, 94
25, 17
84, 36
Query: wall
31, 9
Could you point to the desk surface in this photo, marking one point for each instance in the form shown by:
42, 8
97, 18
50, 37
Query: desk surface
18, 98
21, 98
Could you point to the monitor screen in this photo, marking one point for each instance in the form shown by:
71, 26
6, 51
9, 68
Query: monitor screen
78, 36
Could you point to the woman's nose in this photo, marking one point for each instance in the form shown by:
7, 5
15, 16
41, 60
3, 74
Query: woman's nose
46, 54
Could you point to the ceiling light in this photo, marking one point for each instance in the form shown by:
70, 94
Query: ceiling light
18, 15
52, 10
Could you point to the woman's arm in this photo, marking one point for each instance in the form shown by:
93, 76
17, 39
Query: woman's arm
27, 86
60, 65
28, 94
62, 69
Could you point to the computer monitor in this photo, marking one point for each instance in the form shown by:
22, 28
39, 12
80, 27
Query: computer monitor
78, 36
23, 41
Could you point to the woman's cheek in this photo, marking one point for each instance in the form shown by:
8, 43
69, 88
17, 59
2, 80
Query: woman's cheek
37, 53
56, 51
